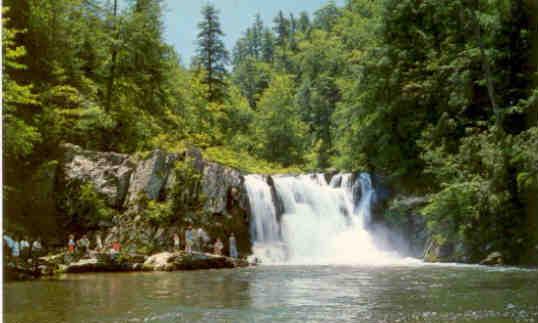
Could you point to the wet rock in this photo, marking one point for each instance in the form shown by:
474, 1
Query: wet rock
55, 259
494, 258
20, 271
101, 263
167, 261
108, 172
207, 261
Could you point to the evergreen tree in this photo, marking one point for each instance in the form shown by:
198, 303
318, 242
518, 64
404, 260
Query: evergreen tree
303, 25
282, 29
212, 55
268, 43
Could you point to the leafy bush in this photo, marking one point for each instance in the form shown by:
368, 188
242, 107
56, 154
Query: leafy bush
85, 206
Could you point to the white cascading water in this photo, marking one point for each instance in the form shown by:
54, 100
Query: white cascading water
264, 228
322, 223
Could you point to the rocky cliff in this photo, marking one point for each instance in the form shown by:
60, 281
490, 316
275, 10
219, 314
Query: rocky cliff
141, 199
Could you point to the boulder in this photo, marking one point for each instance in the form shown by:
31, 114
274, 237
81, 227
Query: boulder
494, 258
167, 261
56, 259
101, 263
163, 261
108, 172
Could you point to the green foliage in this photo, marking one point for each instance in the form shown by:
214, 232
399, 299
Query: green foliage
19, 137
159, 213
245, 162
440, 95
84, 206
279, 130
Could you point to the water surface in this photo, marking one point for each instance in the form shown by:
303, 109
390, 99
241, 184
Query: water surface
282, 294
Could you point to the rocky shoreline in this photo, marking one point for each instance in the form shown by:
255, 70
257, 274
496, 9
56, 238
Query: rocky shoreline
50, 266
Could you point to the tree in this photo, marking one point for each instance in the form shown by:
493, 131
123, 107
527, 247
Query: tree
280, 133
212, 55
19, 136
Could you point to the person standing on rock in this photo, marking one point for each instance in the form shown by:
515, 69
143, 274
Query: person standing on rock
15, 248
176, 241
115, 250
84, 244
233, 246
71, 244
98, 242
218, 247
188, 239
37, 248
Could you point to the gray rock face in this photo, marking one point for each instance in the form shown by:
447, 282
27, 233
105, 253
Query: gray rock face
220, 186
108, 172
150, 176
128, 182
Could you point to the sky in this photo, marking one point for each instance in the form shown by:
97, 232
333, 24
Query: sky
182, 16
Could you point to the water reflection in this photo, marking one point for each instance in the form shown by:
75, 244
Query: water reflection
281, 294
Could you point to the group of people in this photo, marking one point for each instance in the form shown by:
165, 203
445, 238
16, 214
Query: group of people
22, 247
196, 239
83, 245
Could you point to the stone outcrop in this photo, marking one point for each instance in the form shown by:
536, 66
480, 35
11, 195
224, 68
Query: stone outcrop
150, 176
168, 261
191, 189
407, 226
123, 180
221, 186
108, 172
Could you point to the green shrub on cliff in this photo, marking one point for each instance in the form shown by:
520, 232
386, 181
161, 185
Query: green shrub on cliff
84, 206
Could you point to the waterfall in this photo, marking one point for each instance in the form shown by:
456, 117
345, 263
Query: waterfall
264, 227
322, 223
365, 203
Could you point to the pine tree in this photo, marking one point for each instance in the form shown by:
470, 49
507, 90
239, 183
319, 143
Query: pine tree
268, 43
212, 55
282, 29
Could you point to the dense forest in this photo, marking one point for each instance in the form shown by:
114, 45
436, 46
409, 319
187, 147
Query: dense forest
439, 97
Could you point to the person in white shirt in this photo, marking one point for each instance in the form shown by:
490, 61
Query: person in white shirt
98, 242
176, 241
37, 248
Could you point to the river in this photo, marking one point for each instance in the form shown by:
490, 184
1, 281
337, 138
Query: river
423, 293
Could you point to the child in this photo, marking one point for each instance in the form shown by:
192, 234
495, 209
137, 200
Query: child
71, 244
